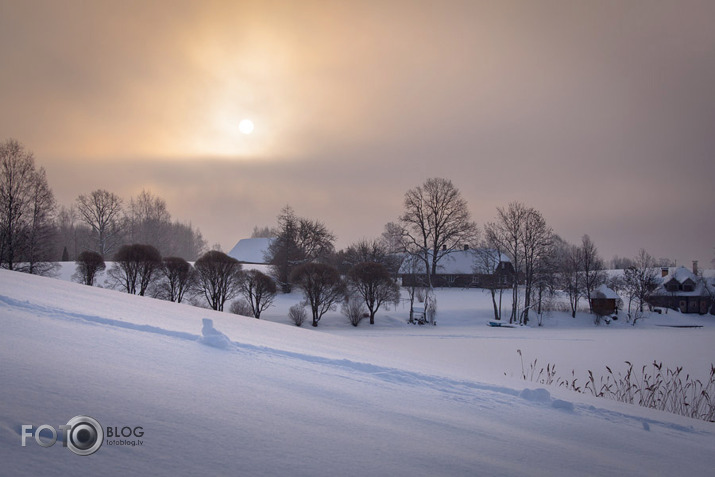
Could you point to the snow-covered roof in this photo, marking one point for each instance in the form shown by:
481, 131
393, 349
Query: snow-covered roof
459, 262
604, 292
681, 275
251, 250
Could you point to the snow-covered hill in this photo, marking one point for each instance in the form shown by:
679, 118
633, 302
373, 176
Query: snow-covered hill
239, 396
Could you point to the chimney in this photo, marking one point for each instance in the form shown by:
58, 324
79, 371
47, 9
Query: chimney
695, 267
444, 248
466, 247
664, 272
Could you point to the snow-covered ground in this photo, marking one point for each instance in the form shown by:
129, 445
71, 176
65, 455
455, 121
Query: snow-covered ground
240, 396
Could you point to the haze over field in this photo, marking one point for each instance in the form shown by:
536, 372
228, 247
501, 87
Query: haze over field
598, 114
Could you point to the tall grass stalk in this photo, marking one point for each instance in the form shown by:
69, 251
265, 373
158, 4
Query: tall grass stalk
652, 386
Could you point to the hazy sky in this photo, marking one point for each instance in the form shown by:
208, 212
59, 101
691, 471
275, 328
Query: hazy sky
600, 114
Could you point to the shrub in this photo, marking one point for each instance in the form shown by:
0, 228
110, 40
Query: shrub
259, 290
135, 267
297, 314
322, 287
354, 310
217, 278
89, 264
241, 307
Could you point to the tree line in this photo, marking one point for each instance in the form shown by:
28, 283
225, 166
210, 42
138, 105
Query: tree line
435, 223
151, 252
35, 232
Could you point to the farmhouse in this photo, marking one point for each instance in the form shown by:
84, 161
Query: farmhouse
682, 289
462, 268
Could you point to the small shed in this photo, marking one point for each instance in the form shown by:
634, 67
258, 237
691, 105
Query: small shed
604, 301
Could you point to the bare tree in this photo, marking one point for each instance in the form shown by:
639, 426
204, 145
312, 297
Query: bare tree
435, 222
521, 232
185, 241
372, 281
135, 267
38, 250
487, 260
365, 250
259, 290
298, 241
546, 277
322, 287
89, 264
102, 212
148, 221
176, 277
217, 278
536, 244
594, 275
570, 274
508, 233
27, 208
391, 238
621, 263
642, 278
263, 232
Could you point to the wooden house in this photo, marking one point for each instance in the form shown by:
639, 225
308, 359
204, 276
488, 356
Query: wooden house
684, 290
604, 301
463, 268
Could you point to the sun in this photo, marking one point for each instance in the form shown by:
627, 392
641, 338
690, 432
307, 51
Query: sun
245, 126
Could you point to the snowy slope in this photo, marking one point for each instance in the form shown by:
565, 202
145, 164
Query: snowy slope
263, 398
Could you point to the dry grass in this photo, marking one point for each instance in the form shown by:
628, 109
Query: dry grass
652, 386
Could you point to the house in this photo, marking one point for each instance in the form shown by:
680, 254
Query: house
684, 290
251, 250
461, 268
604, 301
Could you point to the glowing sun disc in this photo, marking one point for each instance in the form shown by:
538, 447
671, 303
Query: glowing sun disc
246, 126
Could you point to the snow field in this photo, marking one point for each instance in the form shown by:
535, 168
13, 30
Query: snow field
274, 399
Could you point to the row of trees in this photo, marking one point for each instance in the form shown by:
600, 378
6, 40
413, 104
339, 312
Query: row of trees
35, 231
214, 278
100, 221
217, 278
435, 223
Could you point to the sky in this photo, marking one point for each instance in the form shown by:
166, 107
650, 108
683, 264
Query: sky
601, 115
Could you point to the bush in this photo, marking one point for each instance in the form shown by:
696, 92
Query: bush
354, 309
135, 267
259, 290
322, 287
297, 314
217, 278
89, 264
241, 307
